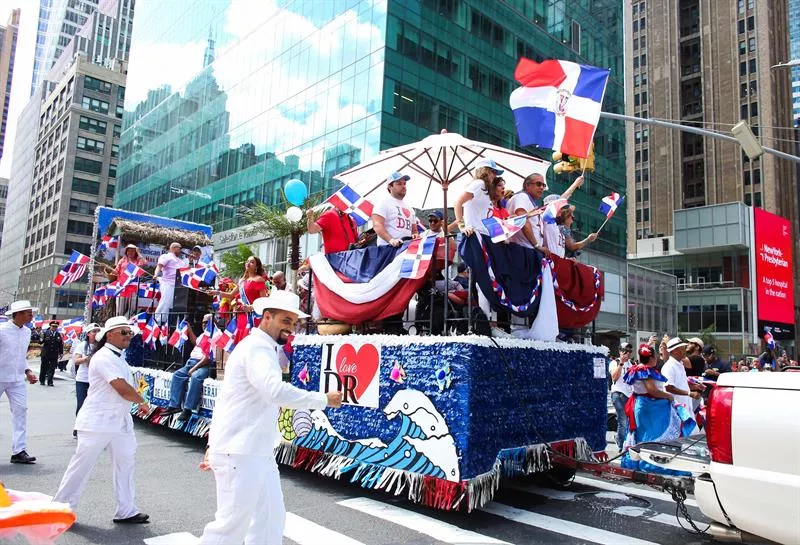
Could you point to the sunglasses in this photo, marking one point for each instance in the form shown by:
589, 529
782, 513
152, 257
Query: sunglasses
125, 332
433, 220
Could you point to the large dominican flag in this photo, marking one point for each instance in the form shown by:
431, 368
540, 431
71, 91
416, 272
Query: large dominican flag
363, 285
558, 105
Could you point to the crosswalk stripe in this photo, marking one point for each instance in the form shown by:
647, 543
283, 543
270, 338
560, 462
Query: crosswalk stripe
561, 526
564, 495
438, 530
643, 492
304, 532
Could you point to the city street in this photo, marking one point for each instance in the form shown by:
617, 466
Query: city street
180, 498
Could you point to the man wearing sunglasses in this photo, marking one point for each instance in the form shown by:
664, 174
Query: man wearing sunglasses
530, 198
105, 421
435, 221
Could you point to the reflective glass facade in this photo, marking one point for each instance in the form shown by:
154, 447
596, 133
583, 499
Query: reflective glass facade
228, 99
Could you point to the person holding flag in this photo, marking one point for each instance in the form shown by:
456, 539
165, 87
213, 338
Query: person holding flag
131, 255
194, 372
338, 229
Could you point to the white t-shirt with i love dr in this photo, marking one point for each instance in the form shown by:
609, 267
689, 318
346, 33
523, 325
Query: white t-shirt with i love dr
397, 218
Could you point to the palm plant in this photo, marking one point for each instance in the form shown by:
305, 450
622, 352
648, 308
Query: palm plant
272, 221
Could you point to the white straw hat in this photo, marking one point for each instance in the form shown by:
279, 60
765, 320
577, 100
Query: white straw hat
19, 306
113, 323
279, 300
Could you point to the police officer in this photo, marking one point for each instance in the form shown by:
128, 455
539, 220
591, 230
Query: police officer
52, 350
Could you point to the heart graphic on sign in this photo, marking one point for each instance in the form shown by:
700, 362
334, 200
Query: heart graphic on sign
362, 364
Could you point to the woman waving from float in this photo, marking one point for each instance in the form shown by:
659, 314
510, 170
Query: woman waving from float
251, 286
652, 413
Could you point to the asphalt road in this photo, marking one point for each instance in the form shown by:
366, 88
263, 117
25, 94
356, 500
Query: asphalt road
180, 498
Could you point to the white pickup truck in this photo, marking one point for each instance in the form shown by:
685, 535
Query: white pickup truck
748, 479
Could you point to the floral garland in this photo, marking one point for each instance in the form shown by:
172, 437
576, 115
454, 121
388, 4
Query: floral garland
569, 303
500, 292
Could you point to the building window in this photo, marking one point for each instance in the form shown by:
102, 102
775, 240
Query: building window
120, 112
82, 247
76, 227
82, 207
95, 105
120, 93
88, 165
751, 45
93, 125
751, 23
112, 171
742, 47
114, 150
753, 109
110, 190
117, 130
96, 84
85, 186
743, 68
741, 26
88, 144
752, 66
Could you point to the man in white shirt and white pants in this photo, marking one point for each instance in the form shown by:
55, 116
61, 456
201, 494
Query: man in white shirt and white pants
675, 373
244, 429
168, 265
14, 341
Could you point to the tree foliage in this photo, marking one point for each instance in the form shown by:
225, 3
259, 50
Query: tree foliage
234, 261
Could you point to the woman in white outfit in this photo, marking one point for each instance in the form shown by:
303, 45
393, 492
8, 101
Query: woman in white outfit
105, 421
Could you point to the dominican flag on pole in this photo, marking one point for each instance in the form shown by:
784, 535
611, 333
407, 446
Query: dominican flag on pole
501, 230
108, 243
208, 263
192, 277
180, 335
148, 290
226, 338
128, 275
206, 340
99, 297
72, 270
417, 258
609, 204
350, 202
558, 105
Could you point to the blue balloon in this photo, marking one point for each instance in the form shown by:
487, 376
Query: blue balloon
296, 192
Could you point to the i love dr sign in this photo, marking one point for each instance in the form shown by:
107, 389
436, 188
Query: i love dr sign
354, 370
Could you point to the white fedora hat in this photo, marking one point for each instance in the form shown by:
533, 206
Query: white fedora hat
113, 323
279, 300
19, 306
674, 343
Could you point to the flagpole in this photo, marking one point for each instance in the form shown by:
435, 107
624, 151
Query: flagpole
603, 224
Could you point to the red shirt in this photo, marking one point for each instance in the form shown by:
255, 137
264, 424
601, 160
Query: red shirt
338, 231
500, 213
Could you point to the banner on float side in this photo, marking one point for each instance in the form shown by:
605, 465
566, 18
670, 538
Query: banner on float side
353, 369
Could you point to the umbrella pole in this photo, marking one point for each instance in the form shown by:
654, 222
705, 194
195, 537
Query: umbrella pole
446, 254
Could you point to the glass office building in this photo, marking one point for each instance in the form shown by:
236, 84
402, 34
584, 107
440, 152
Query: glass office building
228, 99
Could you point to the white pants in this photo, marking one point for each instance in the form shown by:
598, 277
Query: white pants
165, 304
249, 502
18, 402
122, 447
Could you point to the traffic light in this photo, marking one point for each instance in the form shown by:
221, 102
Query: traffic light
567, 163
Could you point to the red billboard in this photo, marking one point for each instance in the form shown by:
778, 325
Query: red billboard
773, 257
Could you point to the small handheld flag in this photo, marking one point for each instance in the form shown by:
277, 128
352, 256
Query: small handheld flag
226, 339
552, 210
72, 270
180, 335
108, 243
501, 230
609, 204
350, 202
770, 340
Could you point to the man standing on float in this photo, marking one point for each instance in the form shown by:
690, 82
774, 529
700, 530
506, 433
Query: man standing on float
244, 429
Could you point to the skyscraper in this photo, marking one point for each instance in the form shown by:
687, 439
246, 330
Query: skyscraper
794, 48
8, 51
65, 159
59, 21
680, 69
311, 88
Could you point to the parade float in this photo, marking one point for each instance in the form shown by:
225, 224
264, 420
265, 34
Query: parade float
439, 419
